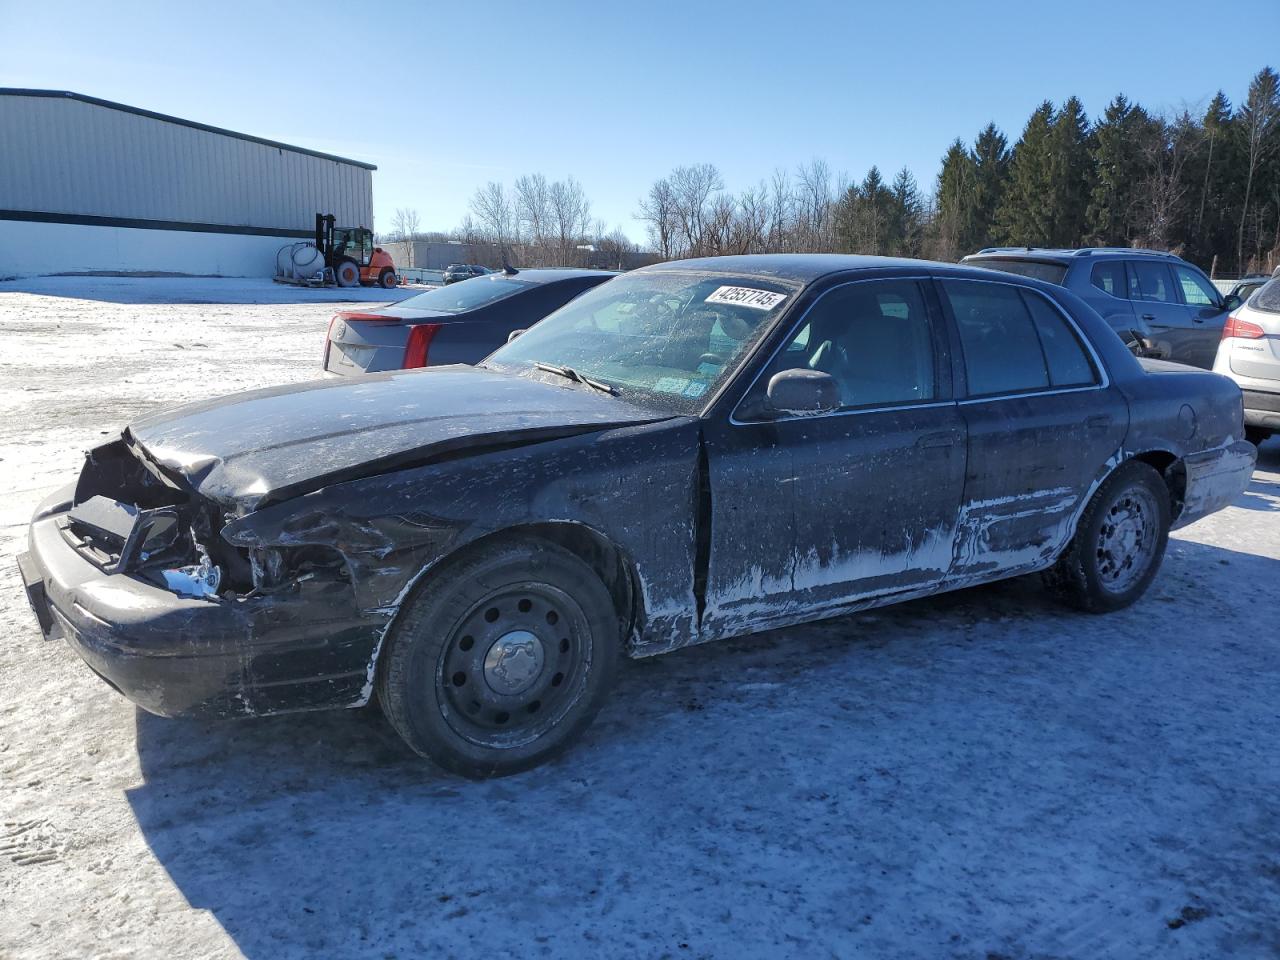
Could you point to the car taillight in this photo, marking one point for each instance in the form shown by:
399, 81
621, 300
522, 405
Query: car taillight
419, 342
1235, 327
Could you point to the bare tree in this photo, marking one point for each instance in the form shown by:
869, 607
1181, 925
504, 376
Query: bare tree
1259, 122
570, 219
493, 208
533, 213
616, 248
658, 213
404, 225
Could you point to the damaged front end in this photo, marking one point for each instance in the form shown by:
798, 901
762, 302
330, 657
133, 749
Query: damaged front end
133, 570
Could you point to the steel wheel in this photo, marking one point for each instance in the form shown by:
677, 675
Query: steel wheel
514, 665
1127, 539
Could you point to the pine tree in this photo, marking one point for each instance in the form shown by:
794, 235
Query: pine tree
1025, 216
906, 212
954, 221
990, 158
1213, 170
1122, 141
1071, 174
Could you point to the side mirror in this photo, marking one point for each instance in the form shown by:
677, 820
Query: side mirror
515, 333
1231, 302
803, 392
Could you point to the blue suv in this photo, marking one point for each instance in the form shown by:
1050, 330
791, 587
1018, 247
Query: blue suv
1160, 305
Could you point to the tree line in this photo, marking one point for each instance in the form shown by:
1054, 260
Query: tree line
1204, 186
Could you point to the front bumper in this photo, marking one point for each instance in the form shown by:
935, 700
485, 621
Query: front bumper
308, 648
1215, 479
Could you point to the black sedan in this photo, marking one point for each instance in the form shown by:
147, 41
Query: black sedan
461, 323
692, 451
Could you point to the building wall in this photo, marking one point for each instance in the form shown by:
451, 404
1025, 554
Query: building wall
35, 249
138, 191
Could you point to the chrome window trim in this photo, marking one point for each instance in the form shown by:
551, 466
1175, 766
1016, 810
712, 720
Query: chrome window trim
795, 328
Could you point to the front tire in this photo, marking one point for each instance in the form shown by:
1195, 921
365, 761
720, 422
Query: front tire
502, 660
1119, 542
387, 279
347, 274
1256, 435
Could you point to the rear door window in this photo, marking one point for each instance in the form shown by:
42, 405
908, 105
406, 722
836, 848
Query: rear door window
1150, 281
1002, 351
1108, 276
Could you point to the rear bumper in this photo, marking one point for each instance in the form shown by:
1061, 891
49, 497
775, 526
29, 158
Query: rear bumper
1215, 479
174, 656
1262, 409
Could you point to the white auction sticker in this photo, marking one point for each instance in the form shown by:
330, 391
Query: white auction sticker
747, 297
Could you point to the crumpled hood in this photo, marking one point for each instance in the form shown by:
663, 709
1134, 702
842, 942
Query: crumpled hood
250, 449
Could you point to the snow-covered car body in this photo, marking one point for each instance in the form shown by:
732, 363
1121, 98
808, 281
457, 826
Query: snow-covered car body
954, 447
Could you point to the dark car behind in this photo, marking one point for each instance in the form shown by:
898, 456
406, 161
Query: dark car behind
1160, 305
456, 272
461, 323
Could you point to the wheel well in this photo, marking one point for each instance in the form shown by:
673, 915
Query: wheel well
615, 570
1174, 472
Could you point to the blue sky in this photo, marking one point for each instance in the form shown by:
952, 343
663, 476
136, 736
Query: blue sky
443, 97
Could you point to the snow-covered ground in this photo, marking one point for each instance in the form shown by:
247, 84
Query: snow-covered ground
980, 775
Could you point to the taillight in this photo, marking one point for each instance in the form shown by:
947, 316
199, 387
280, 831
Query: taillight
419, 342
366, 317
1235, 327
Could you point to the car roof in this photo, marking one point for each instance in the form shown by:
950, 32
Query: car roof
1064, 255
801, 267
552, 274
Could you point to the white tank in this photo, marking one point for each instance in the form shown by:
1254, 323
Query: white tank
299, 261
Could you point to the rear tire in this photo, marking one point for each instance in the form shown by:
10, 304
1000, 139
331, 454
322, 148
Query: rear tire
502, 660
1119, 542
1257, 435
347, 273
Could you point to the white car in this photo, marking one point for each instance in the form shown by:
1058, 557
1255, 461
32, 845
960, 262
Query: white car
1250, 355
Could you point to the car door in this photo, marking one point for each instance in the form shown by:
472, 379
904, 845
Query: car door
1042, 422
1156, 301
810, 513
1203, 307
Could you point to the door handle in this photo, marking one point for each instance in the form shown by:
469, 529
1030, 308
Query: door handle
932, 440
1098, 422
1148, 316
1197, 319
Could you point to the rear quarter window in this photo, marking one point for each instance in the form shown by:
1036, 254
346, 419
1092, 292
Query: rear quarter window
1268, 298
1064, 354
1108, 276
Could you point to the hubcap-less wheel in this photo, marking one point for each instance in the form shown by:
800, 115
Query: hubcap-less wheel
514, 665
1127, 539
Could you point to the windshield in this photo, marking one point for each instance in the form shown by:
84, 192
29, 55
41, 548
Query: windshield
1036, 269
664, 340
466, 295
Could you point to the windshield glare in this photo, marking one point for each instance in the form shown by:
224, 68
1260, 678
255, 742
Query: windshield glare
465, 295
664, 339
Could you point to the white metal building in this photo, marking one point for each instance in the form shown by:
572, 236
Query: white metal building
89, 185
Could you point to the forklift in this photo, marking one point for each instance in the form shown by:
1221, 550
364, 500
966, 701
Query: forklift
351, 256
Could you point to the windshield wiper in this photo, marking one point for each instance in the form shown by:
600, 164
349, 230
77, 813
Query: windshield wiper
571, 374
